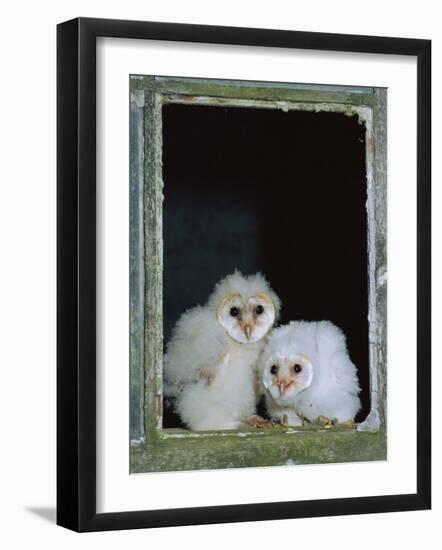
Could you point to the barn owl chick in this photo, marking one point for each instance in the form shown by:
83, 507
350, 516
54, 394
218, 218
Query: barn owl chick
210, 364
307, 374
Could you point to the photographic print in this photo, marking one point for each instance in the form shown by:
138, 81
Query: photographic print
222, 274
257, 274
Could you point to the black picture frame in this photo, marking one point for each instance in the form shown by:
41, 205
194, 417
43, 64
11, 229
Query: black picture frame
76, 273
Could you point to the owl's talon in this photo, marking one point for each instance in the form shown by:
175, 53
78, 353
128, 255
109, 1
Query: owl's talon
209, 375
305, 421
258, 422
326, 422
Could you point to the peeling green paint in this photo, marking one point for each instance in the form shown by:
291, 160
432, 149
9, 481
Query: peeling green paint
260, 449
231, 89
153, 263
136, 265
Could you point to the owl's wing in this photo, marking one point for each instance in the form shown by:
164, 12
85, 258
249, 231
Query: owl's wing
344, 373
198, 342
329, 338
333, 349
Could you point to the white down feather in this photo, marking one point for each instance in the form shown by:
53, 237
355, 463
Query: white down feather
334, 388
198, 343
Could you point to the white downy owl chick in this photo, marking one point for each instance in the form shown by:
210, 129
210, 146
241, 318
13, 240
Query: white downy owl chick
210, 364
307, 373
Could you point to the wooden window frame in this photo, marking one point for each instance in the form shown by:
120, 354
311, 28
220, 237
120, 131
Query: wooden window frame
154, 449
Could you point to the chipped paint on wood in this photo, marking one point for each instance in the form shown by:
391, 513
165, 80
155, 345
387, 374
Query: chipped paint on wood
153, 263
379, 168
382, 276
271, 449
136, 251
180, 433
362, 113
256, 90
372, 422
272, 86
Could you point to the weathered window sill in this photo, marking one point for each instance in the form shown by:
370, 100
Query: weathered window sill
178, 450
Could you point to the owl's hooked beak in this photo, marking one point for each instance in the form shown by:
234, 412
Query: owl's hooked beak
247, 328
284, 385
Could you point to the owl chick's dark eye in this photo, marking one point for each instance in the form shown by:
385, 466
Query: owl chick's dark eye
234, 311
297, 368
259, 309
274, 369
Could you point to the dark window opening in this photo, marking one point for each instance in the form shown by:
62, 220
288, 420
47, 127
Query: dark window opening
283, 193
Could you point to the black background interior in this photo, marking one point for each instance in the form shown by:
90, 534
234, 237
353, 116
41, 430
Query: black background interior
264, 190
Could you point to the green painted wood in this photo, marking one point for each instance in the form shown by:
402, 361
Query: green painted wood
273, 86
380, 224
249, 90
136, 251
263, 448
153, 264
